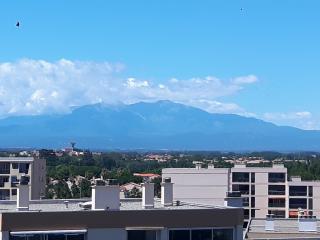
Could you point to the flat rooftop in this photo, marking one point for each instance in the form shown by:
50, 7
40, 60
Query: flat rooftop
65, 205
16, 159
284, 228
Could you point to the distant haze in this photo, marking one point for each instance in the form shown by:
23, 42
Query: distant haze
153, 126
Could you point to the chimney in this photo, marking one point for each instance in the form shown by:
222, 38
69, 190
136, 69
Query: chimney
167, 192
210, 166
269, 224
147, 195
307, 224
233, 199
23, 195
106, 195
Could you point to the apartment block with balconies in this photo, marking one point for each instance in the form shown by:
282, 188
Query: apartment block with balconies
11, 170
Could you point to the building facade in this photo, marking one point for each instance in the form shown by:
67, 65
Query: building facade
11, 170
265, 190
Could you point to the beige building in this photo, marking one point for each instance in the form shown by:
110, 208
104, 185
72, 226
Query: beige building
265, 190
11, 170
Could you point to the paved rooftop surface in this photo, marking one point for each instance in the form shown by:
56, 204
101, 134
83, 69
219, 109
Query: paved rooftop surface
74, 205
283, 229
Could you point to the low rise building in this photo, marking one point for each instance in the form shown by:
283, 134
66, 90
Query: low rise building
106, 216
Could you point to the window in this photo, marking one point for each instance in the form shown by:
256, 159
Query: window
15, 165
277, 202
14, 181
246, 213
277, 177
201, 234
253, 213
4, 194
253, 177
277, 213
253, 201
3, 179
246, 202
179, 235
142, 235
253, 190
298, 203
310, 191
240, 177
24, 168
222, 234
277, 190
297, 190
13, 192
4, 168
310, 204
243, 188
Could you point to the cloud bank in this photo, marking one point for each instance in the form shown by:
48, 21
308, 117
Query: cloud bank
29, 87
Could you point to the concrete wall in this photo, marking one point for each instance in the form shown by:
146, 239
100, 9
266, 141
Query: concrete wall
208, 186
38, 178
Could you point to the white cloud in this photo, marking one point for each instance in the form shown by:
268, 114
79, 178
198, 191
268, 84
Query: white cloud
37, 86
301, 119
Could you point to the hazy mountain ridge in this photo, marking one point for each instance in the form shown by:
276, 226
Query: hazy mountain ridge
159, 125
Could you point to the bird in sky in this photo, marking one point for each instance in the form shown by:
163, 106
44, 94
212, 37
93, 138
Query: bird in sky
18, 24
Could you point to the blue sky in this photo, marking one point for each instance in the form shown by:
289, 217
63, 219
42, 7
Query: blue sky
255, 58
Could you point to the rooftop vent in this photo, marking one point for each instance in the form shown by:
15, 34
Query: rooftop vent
147, 195
269, 224
307, 224
210, 166
106, 197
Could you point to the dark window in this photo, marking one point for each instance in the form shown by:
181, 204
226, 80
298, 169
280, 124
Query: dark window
3, 179
253, 177
179, 235
222, 234
243, 188
277, 213
277, 202
245, 201
24, 168
277, 190
277, 177
4, 168
310, 191
297, 191
14, 181
253, 202
142, 235
246, 213
253, 190
298, 203
14, 192
4, 194
253, 213
240, 177
201, 234
310, 203
15, 165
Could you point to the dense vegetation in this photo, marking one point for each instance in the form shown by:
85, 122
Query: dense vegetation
63, 171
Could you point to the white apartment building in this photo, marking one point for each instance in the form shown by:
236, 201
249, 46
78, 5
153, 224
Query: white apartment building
106, 216
11, 170
265, 190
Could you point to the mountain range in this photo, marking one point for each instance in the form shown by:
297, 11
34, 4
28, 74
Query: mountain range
153, 126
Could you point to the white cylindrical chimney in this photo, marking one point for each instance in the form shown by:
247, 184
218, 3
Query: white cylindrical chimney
23, 194
167, 192
106, 196
147, 195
